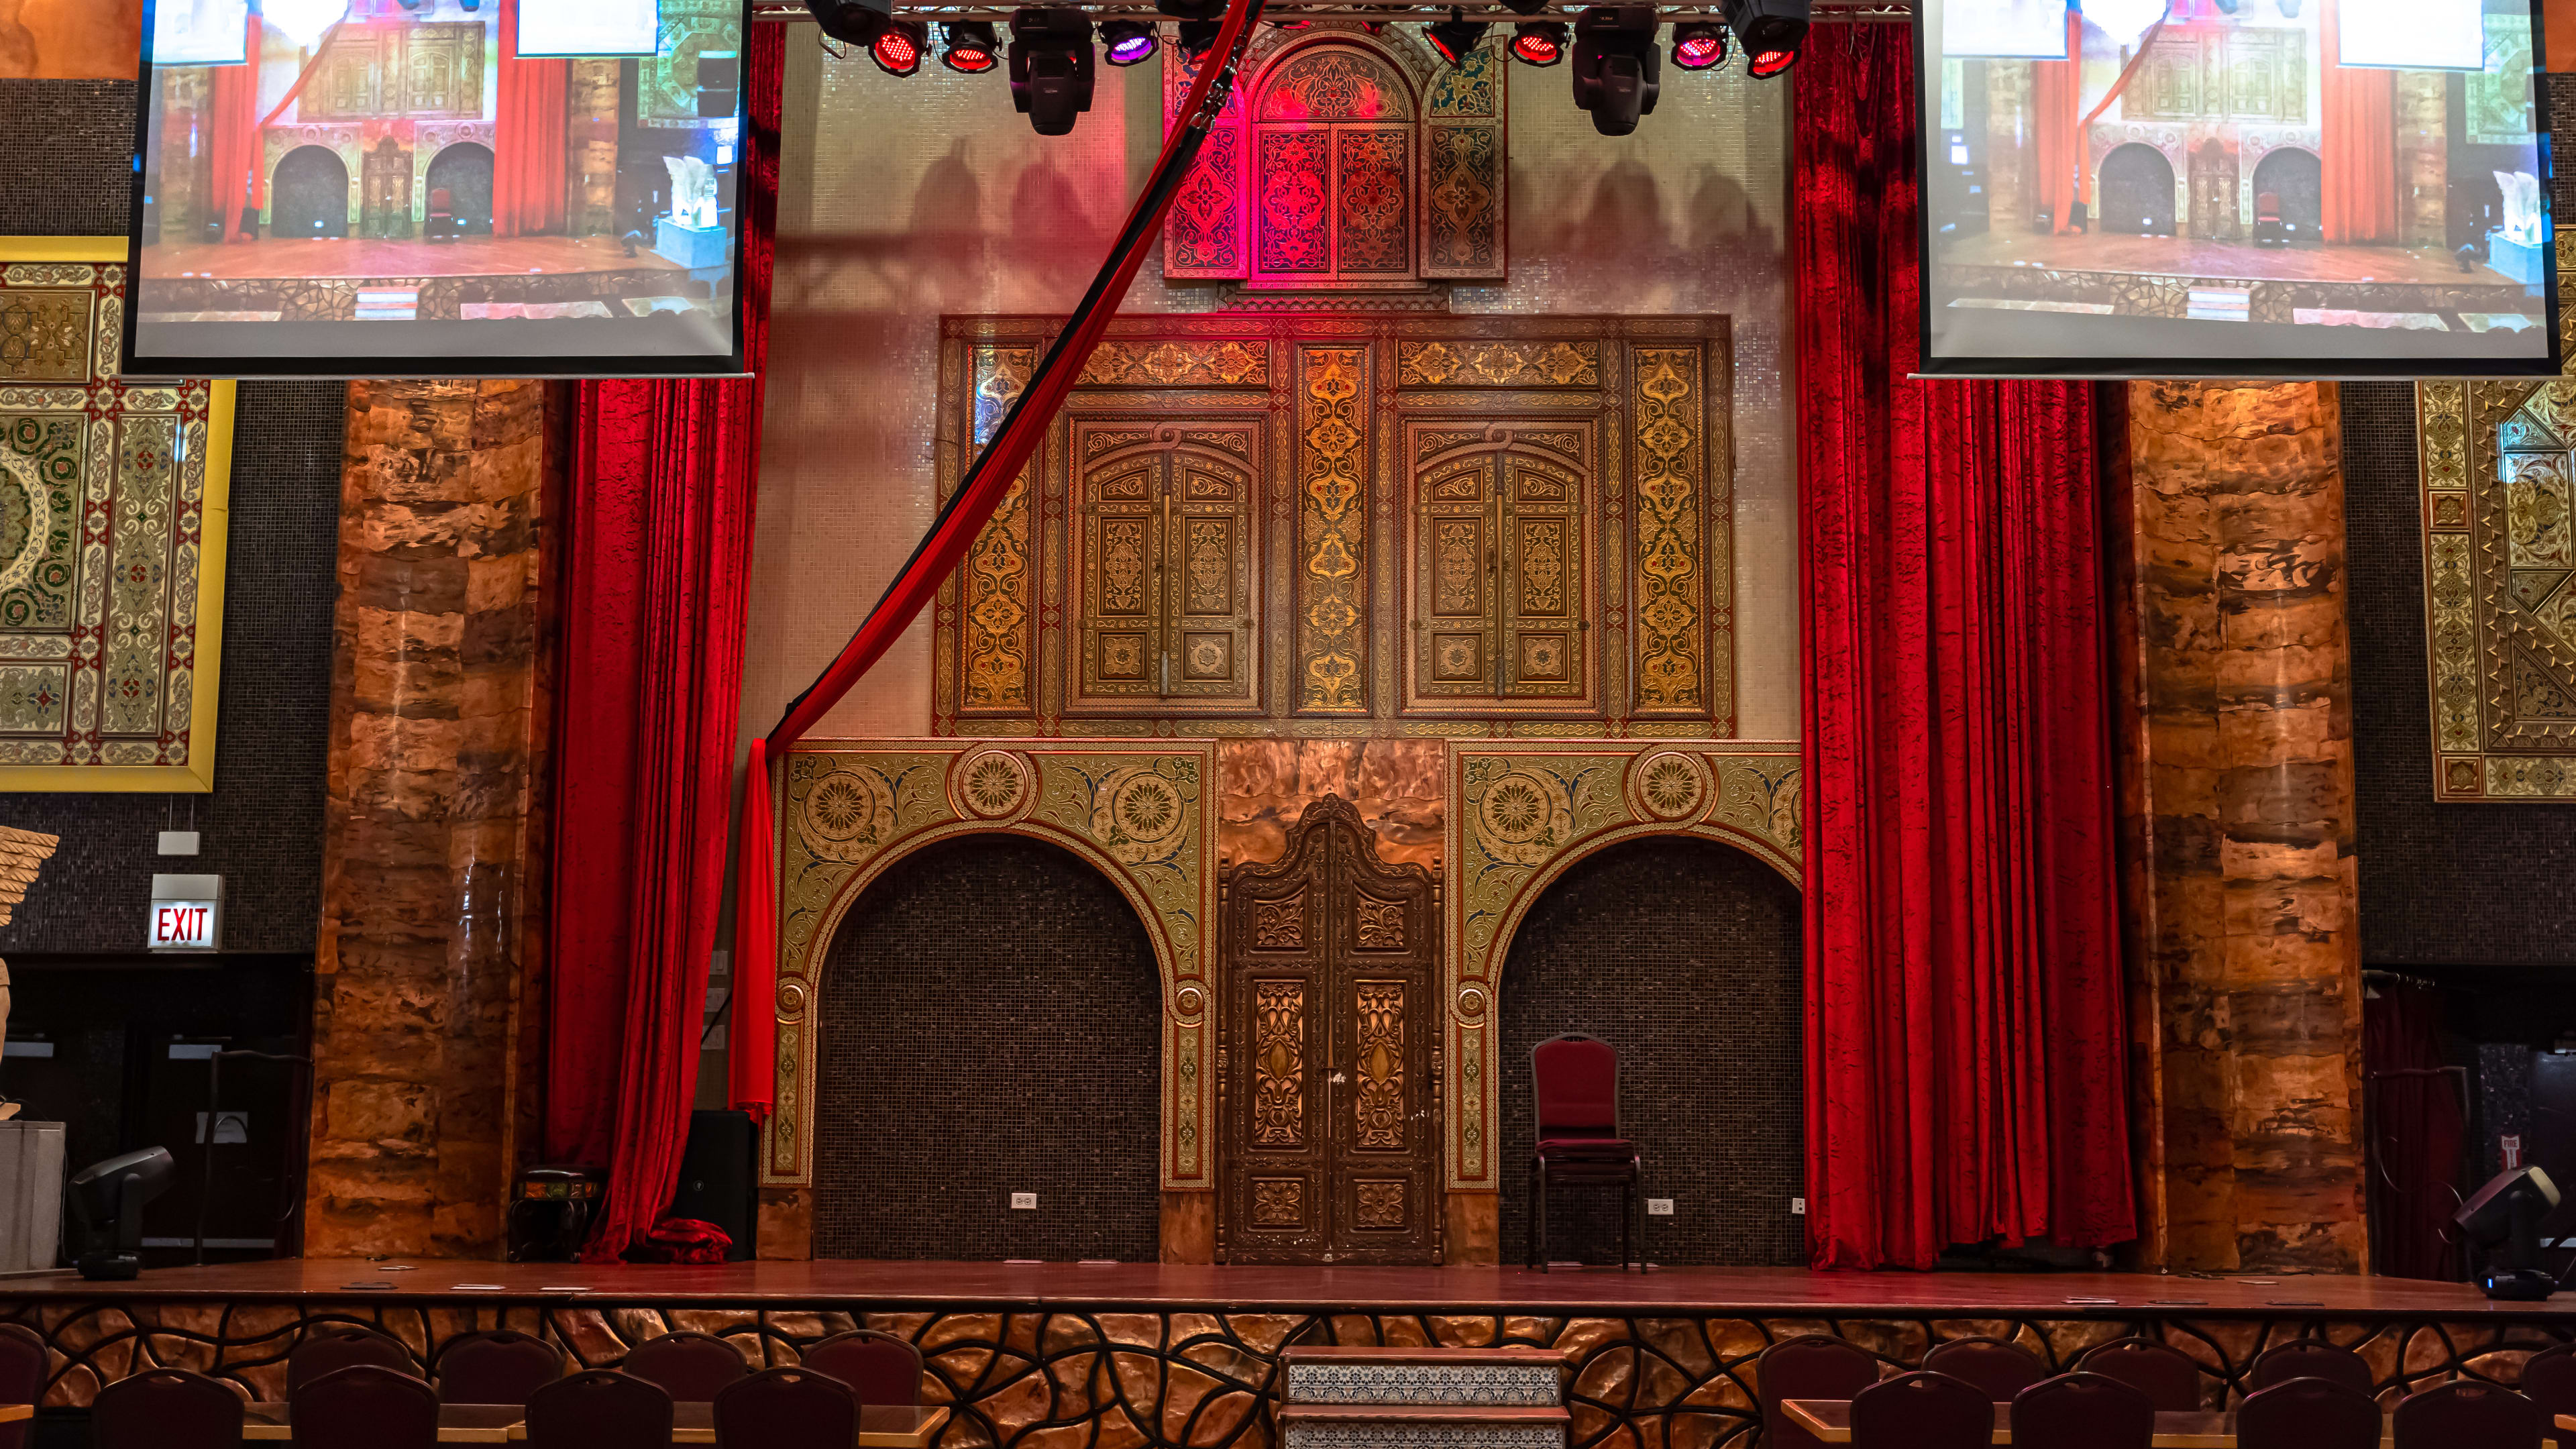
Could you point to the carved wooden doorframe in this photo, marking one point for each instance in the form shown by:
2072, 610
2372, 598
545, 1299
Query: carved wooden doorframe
1328, 1088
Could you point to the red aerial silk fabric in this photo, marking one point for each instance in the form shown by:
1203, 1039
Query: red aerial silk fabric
232, 139
528, 157
2357, 187
2057, 129
2416, 1133
1965, 1056
657, 563
753, 1044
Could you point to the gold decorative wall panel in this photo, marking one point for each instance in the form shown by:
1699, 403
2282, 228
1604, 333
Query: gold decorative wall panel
113, 505
1332, 531
1519, 814
1141, 813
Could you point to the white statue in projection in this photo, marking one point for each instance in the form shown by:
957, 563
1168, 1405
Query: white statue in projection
693, 192
2521, 206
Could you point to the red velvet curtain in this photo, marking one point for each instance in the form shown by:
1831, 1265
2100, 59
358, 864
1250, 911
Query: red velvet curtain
1965, 1061
2057, 130
232, 139
2416, 1135
2357, 190
656, 566
528, 158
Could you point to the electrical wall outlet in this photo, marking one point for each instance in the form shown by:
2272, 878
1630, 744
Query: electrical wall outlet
1659, 1207
1025, 1200
1797, 1207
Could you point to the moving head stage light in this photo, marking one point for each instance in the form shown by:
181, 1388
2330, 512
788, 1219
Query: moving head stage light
2504, 1218
108, 1198
1051, 68
1618, 68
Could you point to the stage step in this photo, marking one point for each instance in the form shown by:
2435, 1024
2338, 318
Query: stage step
1422, 1398
1421, 1426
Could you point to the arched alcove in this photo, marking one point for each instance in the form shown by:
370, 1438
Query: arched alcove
2135, 192
2293, 177
309, 194
1684, 954
989, 1026
464, 172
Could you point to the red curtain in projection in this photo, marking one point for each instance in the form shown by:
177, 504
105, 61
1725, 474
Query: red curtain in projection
2357, 144
1964, 1054
2057, 130
528, 160
232, 139
656, 571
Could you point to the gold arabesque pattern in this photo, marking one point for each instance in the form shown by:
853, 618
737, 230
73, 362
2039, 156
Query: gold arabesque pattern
1332, 532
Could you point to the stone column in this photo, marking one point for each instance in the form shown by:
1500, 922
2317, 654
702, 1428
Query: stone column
433, 853
2234, 723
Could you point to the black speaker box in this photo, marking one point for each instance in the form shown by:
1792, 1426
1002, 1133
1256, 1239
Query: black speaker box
719, 1180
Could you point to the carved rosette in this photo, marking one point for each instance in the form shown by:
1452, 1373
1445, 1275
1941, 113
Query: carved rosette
1669, 785
992, 784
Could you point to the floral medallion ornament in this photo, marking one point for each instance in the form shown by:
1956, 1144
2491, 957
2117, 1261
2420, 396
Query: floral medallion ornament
1524, 817
1471, 1003
847, 814
1138, 814
1187, 1003
1668, 785
991, 784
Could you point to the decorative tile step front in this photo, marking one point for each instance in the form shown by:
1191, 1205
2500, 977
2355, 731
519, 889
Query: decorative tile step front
1420, 1426
1522, 1377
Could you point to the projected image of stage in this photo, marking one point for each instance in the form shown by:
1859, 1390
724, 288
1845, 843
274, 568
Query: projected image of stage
480, 279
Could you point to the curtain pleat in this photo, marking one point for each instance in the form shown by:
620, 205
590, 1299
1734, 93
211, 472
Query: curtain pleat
528, 138
232, 139
2357, 139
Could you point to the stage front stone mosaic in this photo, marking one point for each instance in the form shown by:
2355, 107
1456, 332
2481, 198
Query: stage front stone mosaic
112, 507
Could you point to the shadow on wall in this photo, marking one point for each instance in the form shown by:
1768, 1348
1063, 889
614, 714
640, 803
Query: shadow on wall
70, 39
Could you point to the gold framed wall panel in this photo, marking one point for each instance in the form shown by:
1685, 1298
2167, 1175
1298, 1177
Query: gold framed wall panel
1519, 813
1142, 814
114, 514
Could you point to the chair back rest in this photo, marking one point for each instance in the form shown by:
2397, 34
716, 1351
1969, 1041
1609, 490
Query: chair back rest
879, 1367
2312, 1358
2002, 1370
1922, 1410
787, 1408
2308, 1413
2082, 1411
498, 1367
2461, 1413
691, 1367
1575, 1079
1808, 1367
335, 1346
440, 199
2161, 1373
23, 1370
161, 1408
365, 1406
2549, 1380
599, 1409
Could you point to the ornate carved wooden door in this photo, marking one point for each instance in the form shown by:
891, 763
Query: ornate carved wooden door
1331, 1106
1498, 590
1165, 592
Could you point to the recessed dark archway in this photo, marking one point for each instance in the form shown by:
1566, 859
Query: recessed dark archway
464, 172
989, 1026
2295, 179
2135, 192
1683, 954
309, 195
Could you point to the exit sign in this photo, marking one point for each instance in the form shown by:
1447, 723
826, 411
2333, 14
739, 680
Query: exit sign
187, 913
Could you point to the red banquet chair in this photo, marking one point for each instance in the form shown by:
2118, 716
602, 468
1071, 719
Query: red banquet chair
2312, 1358
1575, 1080
335, 1346
1810, 1366
600, 1409
2001, 1370
22, 1377
2461, 1413
691, 1367
879, 1367
2082, 1411
2308, 1413
787, 1408
364, 1406
165, 1409
2161, 1373
441, 221
1922, 1410
497, 1367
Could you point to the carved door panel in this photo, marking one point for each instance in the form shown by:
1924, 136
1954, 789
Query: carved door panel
2213, 191
387, 211
1164, 587
1331, 1120
1498, 585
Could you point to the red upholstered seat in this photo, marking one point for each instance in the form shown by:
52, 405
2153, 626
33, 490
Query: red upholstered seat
1575, 1080
1586, 1147
164, 1408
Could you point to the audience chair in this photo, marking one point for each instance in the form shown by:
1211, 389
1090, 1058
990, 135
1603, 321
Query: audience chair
22, 1377
2312, 1358
2308, 1413
691, 1367
1922, 1410
335, 1346
1808, 1367
365, 1406
498, 1367
1575, 1079
2549, 1380
787, 1408
2002, 1370
165, 1409
2082, 1411
2461, 1413
2162, 1374
600, 1409
879, 1367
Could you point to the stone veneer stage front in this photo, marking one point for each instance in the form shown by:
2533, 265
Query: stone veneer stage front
1121, 1356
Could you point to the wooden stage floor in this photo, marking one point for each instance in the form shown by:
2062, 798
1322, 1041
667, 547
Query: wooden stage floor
363, 257
1753, 1292
2196, 257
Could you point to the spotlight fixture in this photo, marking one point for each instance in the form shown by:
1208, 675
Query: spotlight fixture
898, 48
1771, 31
1126, 42
1538, 42
1456, 36
1699, 45
1618, 68
1198, 37
1051, 68
852, 22
972, 47
1525, 7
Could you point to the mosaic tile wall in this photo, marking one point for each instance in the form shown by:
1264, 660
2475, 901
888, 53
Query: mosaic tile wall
1684, 954
262, 825
989, 1018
